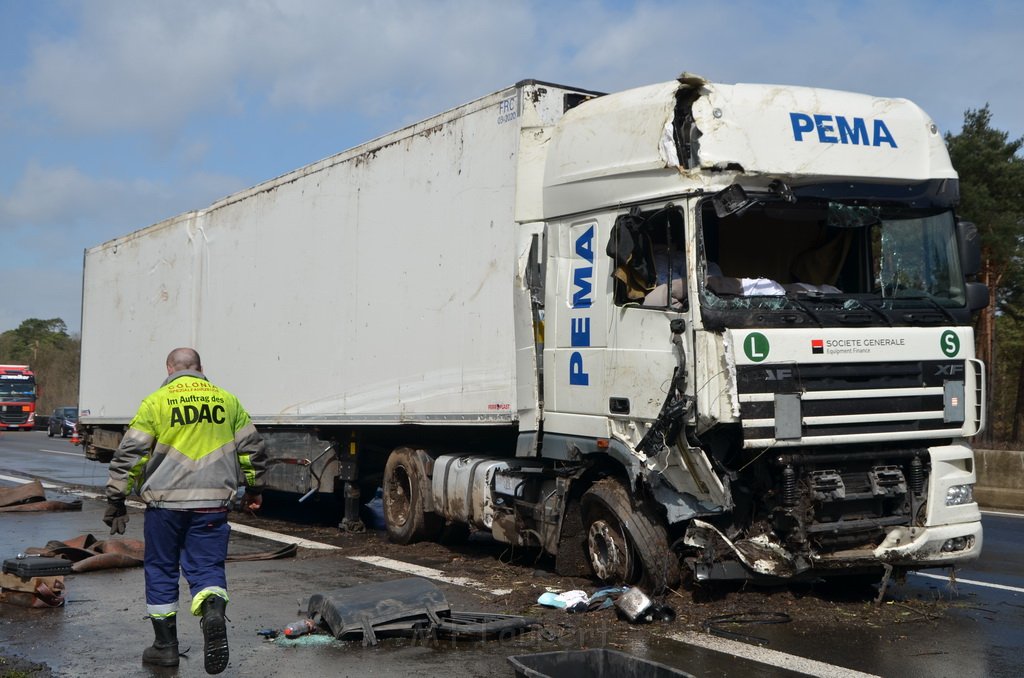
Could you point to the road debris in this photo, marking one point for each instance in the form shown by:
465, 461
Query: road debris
570, 601
577, 601
637, 608
86, 553
720, 625
89, 554
405, 607
299, 628
32, 497
31, 581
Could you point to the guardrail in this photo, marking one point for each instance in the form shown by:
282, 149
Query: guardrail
1000, 479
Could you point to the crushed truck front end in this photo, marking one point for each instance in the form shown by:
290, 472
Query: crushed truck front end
841, 387
759, 317
845, 448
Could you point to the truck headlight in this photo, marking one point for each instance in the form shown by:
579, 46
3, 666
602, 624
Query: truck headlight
959, 494
958, 544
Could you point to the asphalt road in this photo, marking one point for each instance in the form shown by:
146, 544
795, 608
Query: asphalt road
928, 626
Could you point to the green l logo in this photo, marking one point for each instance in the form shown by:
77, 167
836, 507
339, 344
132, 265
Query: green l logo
756, 347
949, 343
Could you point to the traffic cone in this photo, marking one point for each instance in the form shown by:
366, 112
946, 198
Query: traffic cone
75, 440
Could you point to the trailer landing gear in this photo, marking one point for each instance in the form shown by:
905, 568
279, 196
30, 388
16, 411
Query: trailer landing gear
351, 522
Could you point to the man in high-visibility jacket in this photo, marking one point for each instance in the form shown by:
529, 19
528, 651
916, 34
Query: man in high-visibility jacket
188, 449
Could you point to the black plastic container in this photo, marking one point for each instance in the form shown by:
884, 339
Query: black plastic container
37, 566
596, 663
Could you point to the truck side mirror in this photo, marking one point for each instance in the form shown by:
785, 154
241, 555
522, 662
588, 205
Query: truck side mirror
977, 296
970, 248
731, 200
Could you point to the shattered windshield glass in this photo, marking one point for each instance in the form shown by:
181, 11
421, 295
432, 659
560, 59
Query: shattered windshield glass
916, 257
815, 256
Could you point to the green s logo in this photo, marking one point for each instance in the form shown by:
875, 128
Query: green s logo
949, 342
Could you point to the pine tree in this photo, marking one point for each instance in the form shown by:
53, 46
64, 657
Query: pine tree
992, 196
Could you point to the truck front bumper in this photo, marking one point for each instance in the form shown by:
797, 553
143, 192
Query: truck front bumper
936, 546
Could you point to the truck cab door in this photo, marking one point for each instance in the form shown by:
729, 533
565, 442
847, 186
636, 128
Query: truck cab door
609, 355
649, 336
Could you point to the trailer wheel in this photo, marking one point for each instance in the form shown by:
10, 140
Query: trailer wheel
405, 514
624, 544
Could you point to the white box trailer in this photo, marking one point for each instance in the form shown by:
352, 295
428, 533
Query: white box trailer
379, 285
726, 326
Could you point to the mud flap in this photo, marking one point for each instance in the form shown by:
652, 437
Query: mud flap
760, 555
571, 557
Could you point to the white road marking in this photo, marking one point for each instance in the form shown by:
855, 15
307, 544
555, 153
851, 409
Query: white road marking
973, 582
429, 573
1004, 514
385, 563
70, 454
284, 538
763, 655
23, 481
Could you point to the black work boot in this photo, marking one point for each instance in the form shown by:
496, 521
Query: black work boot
215, 634
164, 650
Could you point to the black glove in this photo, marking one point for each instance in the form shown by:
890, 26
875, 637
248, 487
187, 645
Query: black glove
116, 516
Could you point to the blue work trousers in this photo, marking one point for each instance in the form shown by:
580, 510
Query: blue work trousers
190, 542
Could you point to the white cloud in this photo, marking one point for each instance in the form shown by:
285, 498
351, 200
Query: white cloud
54, 213
50, 291
150, 66
153, 66
136, 65
66, 200
349, 55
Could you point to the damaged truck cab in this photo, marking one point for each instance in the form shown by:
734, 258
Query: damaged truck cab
766, 324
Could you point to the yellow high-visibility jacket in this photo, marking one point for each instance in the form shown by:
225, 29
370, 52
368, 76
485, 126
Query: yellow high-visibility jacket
191, 445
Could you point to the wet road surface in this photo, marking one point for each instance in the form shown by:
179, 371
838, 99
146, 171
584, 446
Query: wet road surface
926, 626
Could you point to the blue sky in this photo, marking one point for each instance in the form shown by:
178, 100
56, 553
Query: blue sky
117, 114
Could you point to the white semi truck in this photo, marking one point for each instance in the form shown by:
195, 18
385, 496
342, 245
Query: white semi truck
689, 328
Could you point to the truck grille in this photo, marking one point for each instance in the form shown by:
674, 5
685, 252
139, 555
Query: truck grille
11, 416
799, 404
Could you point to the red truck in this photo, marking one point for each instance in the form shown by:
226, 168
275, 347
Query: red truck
17, 397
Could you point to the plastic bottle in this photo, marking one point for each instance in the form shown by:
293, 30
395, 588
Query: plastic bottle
299, 628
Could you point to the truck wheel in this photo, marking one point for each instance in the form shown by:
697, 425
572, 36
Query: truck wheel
405, 514
624, 544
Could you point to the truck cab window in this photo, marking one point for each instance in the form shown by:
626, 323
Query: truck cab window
818, 258
649, 256
917, 257
768, 251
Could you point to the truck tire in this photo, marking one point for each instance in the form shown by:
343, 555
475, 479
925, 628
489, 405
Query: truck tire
405, 515
624, 544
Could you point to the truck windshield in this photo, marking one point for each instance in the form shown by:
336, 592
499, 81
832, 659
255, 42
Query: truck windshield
917, 256
19, 389
831, 263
